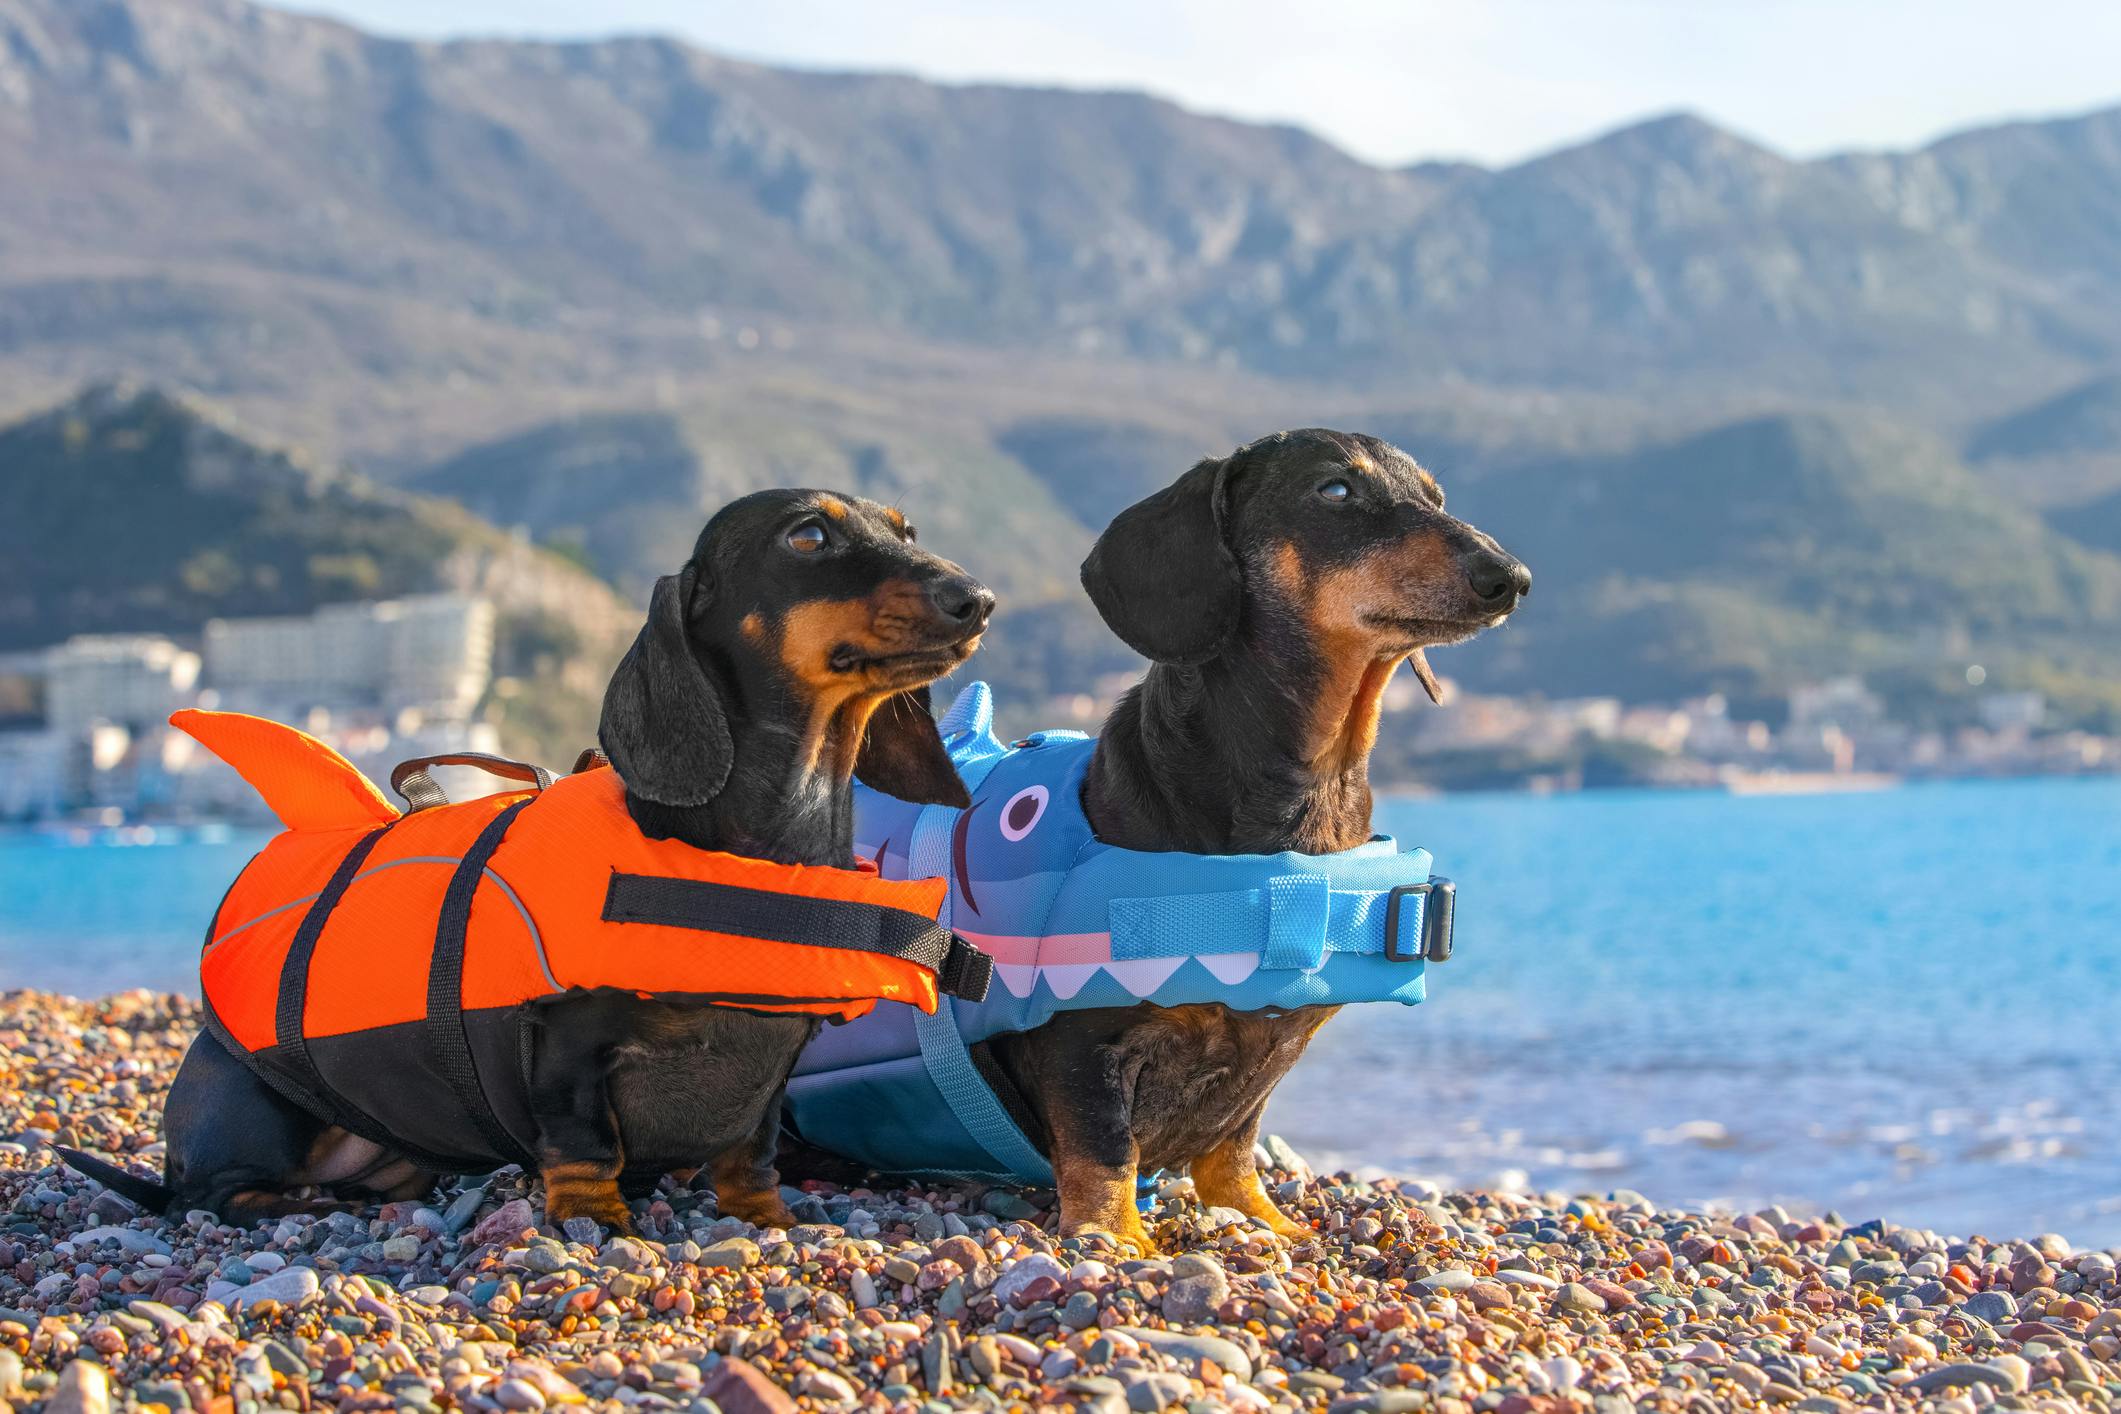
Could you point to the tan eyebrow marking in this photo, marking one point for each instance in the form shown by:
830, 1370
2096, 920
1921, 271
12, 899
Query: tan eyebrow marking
833, 506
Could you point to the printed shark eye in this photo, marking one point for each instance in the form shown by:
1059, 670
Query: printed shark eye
1023, 812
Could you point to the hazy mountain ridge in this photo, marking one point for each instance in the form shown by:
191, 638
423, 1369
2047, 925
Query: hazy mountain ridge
593, 289
518, 181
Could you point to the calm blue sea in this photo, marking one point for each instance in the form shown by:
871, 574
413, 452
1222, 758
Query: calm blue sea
1905, 1004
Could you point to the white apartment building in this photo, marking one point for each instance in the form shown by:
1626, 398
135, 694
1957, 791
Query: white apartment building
132, 681
432, 654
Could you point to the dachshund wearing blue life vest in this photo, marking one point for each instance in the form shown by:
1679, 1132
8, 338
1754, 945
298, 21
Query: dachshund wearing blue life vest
1275, 592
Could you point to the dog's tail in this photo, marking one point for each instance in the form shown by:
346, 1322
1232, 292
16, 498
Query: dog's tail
144, 1192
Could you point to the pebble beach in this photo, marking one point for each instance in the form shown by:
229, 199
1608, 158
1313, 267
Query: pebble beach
1407, 1297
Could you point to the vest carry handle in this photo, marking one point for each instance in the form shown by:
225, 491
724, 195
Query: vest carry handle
411, 779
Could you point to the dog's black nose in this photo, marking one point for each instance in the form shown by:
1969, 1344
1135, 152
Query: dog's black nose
961, 598
1498, 579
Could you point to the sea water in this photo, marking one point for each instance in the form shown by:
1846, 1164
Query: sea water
1904, 1004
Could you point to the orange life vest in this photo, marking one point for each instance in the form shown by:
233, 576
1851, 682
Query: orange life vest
367, 956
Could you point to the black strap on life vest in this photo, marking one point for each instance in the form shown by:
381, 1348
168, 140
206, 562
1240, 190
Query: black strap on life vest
290, 1038
961, 970
291, 1070
448, 1042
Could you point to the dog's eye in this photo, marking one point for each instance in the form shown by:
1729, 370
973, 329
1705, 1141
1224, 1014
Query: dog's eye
1335, 490
807, 538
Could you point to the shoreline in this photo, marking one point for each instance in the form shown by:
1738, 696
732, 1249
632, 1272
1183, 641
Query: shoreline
146, 830
942, 1298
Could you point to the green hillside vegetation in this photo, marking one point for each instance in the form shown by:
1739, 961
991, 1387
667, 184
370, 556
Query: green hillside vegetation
2060, 452
1790, 548
630, 490
129, 510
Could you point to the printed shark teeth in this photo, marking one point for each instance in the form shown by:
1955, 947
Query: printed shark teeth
1068, 978
1230, 968
1018, 978
1140, 976
1144, 975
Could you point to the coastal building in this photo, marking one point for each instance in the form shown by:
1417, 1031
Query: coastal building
133, 681
84, 725
432, 654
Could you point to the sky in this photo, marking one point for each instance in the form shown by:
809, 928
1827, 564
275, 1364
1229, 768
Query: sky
1489, 80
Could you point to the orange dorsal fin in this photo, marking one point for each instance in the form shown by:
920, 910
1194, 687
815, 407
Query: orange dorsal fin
307, 784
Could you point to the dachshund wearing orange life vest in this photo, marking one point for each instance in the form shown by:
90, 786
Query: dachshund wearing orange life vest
792, 653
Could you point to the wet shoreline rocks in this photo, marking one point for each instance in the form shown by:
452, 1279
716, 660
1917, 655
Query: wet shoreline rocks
923, 1300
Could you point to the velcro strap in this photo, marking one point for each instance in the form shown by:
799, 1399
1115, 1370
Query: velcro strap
1293, 921
710, 907
1297, 905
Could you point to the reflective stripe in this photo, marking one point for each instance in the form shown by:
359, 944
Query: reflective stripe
537, 939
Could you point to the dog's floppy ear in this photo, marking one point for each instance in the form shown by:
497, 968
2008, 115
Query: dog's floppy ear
1162, 575
902, 753
663, 725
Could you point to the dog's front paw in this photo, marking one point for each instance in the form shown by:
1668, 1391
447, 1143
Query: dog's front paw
573, 1191
1130, 1238
759, 1209
1285, 1227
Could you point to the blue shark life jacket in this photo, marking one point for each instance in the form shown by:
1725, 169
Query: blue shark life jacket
1073, 923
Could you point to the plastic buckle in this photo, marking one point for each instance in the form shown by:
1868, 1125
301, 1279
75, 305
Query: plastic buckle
1442, 896
966, 973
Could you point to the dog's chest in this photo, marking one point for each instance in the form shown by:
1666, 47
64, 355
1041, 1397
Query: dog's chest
1201, 1071
672, 1088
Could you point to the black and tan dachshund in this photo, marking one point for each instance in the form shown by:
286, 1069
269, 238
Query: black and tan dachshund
1275, 591
792, 653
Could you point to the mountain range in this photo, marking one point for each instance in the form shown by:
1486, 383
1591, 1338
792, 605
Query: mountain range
1749, 417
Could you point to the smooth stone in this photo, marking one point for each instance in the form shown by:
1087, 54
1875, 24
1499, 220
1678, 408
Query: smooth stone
1001, 1203
1994, 1307
935, 1364
1450, 1280
1080, 1310
462, 1210
731, 1252
784, 1299
1195, 1347
519, 1395
83, 1388
504, 1222
1513, 1277
128, 1239
1946, 1376
1157, 1392
1200, 1285
290, 1287
862, 1288
739, 1387
165, 1318
1024, 1271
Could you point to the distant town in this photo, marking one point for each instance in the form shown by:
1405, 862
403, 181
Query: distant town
85, 740
84, 725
